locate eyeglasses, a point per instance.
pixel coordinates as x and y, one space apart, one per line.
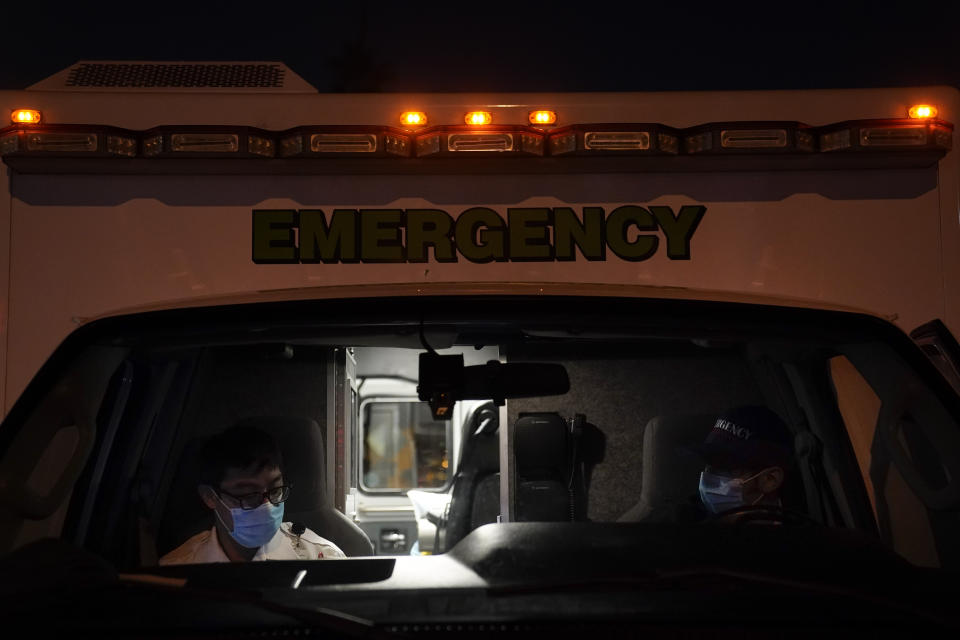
249 501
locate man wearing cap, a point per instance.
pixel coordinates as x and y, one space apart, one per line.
748 454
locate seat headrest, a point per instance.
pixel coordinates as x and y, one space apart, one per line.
668 466
541 442
479 446
485 420
301 445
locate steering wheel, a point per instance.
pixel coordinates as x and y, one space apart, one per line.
759 513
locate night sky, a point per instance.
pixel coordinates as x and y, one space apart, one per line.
498 46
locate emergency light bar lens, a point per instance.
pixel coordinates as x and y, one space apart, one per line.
942 137
668 143
152 146
205 142
260 146
9 143
836 140
62 142
122 146
428 145
413 119
480 142
343 143
893 136
291 146
543 117
616 140
25 116
563 144
923 111
699 142
531 144
478 118
753 138
397 145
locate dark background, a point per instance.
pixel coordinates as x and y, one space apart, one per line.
498 46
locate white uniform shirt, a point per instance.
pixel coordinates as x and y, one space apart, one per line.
285 545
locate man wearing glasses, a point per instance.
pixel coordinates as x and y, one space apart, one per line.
242 482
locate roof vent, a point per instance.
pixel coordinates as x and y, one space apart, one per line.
105 74
177 76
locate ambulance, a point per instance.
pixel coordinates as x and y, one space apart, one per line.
495 339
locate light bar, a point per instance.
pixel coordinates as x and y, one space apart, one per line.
886 137
25 116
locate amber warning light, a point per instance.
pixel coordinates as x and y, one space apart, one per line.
923 111
25 116
413 118
543 117
478 117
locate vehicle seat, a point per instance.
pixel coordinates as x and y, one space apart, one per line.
670 477
301 444
475 497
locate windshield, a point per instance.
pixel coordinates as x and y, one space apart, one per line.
306 431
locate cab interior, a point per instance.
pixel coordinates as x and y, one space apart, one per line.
102 449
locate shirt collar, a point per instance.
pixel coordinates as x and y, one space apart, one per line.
212 551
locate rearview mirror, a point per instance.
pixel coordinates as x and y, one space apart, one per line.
443 380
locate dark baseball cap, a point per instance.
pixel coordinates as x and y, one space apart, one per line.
749 437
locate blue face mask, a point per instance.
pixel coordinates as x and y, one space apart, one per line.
256 527
721 493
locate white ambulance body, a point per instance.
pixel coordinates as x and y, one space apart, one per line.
142 183
874 228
